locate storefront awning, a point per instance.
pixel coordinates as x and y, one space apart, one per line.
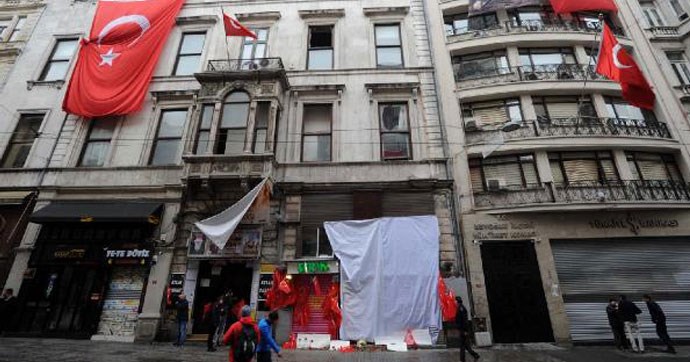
141 212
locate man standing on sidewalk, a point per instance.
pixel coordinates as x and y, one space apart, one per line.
182 308
629 312
267 343
616 324
462 321
659 318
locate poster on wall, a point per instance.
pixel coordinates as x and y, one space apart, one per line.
486 6
265 284
244 243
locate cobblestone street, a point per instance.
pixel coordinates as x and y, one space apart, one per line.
58 350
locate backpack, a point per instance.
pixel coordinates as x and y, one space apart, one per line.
246 345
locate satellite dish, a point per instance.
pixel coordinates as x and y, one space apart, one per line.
511 126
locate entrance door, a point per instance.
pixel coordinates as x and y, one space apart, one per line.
218 278
516 296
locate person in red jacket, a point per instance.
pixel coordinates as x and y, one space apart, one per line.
243 337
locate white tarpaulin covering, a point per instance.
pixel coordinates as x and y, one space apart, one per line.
389 271
218 228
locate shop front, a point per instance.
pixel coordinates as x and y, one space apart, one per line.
15 207
86 276
312 280
548 277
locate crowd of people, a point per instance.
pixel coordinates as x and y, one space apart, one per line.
622 315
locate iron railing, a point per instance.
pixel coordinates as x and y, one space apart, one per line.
240 65
563 72
664 31
546 25
586 192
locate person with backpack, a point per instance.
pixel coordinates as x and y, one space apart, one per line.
267 343
243 337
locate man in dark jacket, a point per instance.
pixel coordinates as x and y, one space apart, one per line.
628 313
462 321
182 308
214 316
616 324
659 318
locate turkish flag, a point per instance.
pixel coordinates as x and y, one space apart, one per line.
234 28
616 64
115 64
571 6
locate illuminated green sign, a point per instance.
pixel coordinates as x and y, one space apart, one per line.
310 267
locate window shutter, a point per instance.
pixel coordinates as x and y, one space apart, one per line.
581 170
562 109
476 178
319 208
653 170
408 204
531 175
556 172
609 169
492 115
367 205
510 173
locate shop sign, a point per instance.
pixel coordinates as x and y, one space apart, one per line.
313 267
71 253
127 256
175 287
502 230
244 243
633 223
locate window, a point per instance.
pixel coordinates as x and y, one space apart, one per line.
653 167
539 59
395 131
263 109
481 64
17 30
678 9
573 168
562 109
166 148
58 64
97 145
189 54
514 171
204 135
320 55
493 113
255 48
233 124
316 132
22 140
531 18
621 111
315 209
388 46
652 15
680 66
462 23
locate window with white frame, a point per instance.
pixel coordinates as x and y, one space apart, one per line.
17 29
255 48
97 144
679 9
395 131
320 47
58 64
653 166
189 54
263 109
166 147
316 132
232 131
204 134
652 15
679 62
23 138
388 46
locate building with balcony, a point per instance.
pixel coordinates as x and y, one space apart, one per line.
334 102
568 195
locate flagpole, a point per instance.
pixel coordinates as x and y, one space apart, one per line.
588 71
227 44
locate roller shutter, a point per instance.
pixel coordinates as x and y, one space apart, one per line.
592 271
317 209
408 204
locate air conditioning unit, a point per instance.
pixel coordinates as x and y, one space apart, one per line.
496 184
471 125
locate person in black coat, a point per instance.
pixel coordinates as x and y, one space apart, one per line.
659 319
616 324
218 311
182 309
628 313
462 322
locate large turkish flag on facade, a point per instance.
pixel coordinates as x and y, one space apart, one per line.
116 63
571 6
616 64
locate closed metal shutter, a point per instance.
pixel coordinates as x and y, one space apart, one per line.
408 204
316 322
315 210
592 271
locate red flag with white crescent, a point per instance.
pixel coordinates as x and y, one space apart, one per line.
116 62
616 64
235 28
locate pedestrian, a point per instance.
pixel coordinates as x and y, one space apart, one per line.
462 322
267 343
243 337
214 319
628 313
659 319
616 324
182 308
8 309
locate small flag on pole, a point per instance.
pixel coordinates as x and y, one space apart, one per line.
234 28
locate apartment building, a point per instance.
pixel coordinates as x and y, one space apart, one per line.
334 102
569 195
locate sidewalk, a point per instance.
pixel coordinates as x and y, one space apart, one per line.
60 350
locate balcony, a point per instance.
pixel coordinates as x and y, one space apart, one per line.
664 32
257 69
529 26
585 192
557 72
227 166
576 127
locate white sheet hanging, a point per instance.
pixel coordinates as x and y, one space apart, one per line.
389 271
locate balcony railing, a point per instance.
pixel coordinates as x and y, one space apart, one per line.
238 65
562 72
665 191
577 127
548 25
664 31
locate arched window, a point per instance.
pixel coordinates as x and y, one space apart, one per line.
233 124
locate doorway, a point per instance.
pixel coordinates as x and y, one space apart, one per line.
216 278
517 303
